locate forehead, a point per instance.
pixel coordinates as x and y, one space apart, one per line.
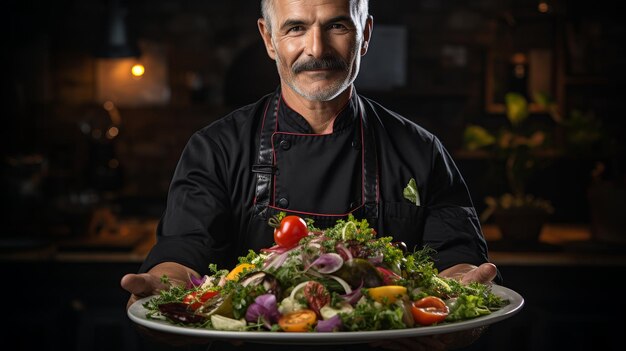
310 9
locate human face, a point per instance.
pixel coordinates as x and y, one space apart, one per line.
317 46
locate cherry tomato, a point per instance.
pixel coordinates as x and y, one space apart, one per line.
290 231
297 321
194 301
429 310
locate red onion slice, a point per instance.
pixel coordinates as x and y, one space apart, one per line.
327 263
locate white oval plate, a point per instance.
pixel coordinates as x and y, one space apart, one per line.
137 314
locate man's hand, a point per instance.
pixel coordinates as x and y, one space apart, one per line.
465 273
147 284
141 285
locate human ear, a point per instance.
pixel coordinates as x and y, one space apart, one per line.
367 34
266 34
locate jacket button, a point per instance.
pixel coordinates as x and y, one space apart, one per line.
285 144
356 145
283 202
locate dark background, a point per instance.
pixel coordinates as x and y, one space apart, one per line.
54 175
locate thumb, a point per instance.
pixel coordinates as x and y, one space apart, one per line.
143 284
485 273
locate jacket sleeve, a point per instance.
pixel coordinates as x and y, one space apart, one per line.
451 225
190 231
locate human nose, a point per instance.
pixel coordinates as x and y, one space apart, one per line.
316 43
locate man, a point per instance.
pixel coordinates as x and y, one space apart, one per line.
317 149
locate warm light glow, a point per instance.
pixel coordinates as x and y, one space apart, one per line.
138 70
108 105
114 113
543 7
112 132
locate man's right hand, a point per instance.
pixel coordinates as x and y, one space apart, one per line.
147 284
141 285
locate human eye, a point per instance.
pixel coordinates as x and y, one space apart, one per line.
295 29
338 27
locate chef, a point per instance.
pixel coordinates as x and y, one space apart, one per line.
315 148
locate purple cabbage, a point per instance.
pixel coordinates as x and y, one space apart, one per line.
329 325
265 309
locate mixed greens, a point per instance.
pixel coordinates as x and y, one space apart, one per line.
343 278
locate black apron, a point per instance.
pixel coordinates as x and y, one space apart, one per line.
267 205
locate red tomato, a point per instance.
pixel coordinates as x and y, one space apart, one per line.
429 310
290 231
194 301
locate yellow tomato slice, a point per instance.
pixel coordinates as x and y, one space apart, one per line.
297 321
387 293
234 274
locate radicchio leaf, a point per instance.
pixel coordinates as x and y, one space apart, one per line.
329 325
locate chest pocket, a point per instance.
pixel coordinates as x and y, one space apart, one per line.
404 222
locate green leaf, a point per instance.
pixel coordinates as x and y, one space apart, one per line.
516 108
411 193
476 137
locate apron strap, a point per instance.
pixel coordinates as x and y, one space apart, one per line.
370 166
264 168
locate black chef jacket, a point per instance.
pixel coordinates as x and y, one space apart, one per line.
264 158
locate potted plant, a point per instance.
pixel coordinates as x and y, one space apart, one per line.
588 139
519 215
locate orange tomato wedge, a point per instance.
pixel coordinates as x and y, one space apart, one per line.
387 293
298 321
429 310
234 274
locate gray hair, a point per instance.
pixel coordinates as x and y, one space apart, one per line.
358 7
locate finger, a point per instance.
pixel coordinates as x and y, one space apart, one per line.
141 284
485 273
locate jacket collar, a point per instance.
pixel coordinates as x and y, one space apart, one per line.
293 122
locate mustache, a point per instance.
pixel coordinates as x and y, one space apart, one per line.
330 62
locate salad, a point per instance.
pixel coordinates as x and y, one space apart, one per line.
343 278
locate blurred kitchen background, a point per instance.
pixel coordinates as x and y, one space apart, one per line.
100 97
